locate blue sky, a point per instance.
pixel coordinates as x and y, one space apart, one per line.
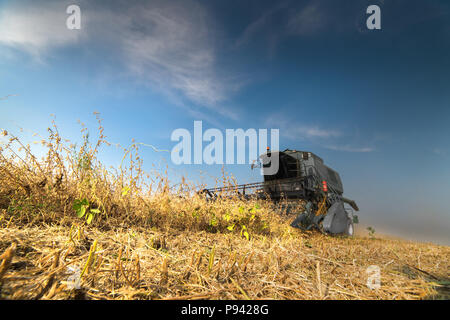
374 104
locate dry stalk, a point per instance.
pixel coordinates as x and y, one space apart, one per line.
50 278
240 289
7 258
119 257
164 273
319 283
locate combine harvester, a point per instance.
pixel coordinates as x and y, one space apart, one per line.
302 177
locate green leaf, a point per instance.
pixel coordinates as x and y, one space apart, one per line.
76 205
80 207
125 191
81 211
244 231
241 209
246 235
89 218
213 222
95 211
231 228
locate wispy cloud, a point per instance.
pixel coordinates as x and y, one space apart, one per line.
8 96
348 148
318 132
283 20
325 137
307 20
35 28
261 24
439 151
294 130
168 45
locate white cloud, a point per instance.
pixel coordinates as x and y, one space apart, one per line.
35 29
294 130
303 21
318 132
171 43
348 148
8 96
167 45
259 25
439 151
329 138
307 20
